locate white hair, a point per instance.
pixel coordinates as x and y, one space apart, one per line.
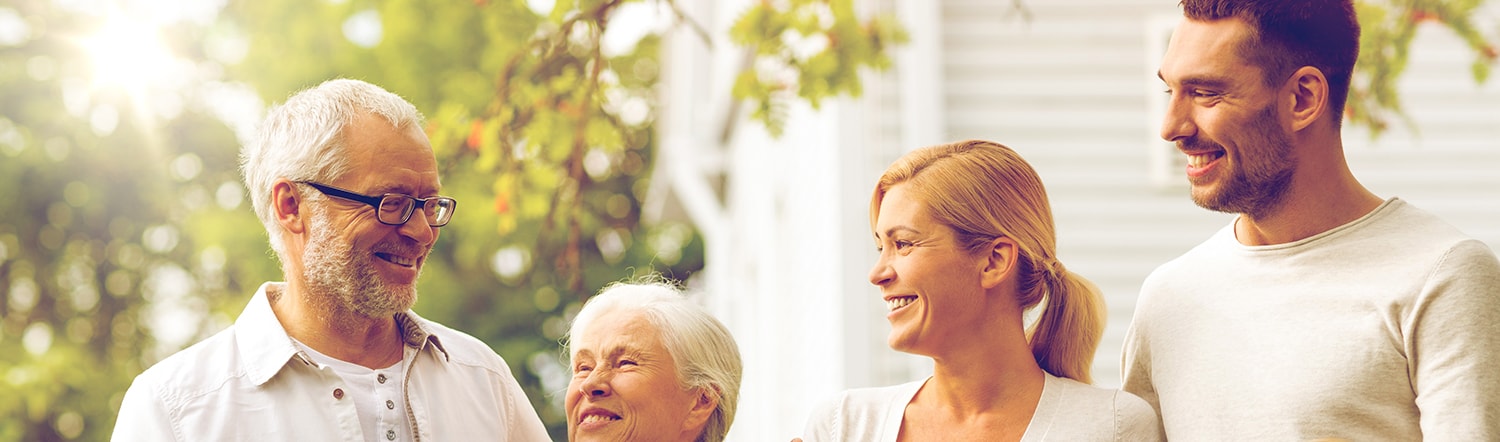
303 139
705 353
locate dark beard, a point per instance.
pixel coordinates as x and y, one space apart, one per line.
1253 190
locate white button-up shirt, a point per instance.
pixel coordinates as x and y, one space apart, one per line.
250 383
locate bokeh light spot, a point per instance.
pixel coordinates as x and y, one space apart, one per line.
546 299
160 238
104 119
23 294
127 54
70 425
186 167
41 68
37 338
12 143
119 283
229 195
612 245
596 164
509 262
57 149
363 28
13 28
77 194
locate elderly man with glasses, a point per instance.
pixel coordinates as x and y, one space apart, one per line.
346 184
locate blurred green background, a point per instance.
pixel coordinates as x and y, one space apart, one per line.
125 231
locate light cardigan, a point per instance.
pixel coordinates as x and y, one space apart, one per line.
1067 411
250 383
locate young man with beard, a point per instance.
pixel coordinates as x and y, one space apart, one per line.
347 186
1322 310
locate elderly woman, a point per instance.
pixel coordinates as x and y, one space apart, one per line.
649 365
967 247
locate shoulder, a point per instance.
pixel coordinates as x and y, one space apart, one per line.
197 370
1472 254
1131 417
1077 398
902 392
1401 224
1448 256
1212 248
1135 419
860 413
871 400
461 347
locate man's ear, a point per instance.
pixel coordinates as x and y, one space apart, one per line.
286 206
999 262
1309 97
703 407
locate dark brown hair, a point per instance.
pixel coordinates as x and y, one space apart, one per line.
1290 34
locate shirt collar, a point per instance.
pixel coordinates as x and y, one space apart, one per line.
266 347
415 334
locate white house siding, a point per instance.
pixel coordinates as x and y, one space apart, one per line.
786 219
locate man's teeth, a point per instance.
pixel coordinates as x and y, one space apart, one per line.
895 303
1201 160
399 260
592 418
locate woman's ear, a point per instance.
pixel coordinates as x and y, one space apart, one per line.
703 408
999 262
286 206
1309 97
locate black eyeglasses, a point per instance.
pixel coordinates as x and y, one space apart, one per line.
395 209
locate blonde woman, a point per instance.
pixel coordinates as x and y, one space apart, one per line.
967 247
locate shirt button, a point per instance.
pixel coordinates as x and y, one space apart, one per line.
390 405
380 378
390 434
338 393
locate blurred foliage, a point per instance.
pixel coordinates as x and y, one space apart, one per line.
126 234
120 229
1387 28
808 49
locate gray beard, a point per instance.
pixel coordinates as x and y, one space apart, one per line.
339 280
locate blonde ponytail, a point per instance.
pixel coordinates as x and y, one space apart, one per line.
1067 333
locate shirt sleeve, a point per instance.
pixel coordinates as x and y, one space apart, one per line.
143 415
525 425
1453 346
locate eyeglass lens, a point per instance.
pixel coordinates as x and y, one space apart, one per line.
397 209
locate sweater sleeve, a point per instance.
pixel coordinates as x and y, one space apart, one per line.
1135 420
1453 346
1135 366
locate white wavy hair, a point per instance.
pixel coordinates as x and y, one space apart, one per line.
706 354
303 139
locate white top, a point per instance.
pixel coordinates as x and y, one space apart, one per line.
377 394
1386 328
249 382
1067 411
